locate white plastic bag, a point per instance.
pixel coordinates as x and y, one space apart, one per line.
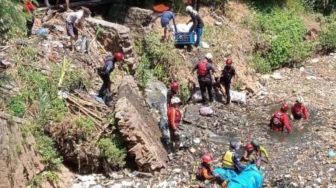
239 97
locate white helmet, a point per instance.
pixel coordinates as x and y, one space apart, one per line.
175 100
189 8
299 99
208 56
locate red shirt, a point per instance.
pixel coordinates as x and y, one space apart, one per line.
174 117
300 109
284 121
29 6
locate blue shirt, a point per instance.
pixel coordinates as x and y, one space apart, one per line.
166 17
108 66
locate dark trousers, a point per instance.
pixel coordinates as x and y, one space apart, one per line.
29 25
105 88
227 92
205 85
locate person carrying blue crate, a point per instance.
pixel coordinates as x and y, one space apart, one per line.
197 26
166 16
204 70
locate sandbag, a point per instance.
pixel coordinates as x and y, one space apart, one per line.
197 96
239 97
184 28
206 111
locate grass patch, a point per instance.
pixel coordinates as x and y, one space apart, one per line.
17 106
156 60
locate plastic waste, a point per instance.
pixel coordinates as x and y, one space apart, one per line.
42 32
197 96
206 111
82 45
331 154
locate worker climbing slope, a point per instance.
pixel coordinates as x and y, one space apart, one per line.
29 8
104 73
280 120
74 23
166 17
197 26
204 70
174 121
172 92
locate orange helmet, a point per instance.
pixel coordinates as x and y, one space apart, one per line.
119 56
284 107
249 147
206 158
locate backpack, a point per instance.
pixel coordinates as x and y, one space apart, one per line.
202 68
277 119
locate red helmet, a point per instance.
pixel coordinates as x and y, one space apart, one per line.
206 158
119 56
174 86
229 61
249 147
284 107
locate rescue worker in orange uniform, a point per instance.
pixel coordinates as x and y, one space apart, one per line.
204 171
280 121
174 121
299 110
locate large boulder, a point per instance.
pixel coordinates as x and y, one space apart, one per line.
115 37
139 20
139 128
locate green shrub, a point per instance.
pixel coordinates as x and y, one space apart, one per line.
184 92
17 106
86 125
260 64
328 34
284 33
12 19
46 147
111 152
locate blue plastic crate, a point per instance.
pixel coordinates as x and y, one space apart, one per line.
184 38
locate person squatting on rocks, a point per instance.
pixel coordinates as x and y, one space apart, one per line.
231 160
255 153
29 8
228 73
205 171
166 16
204 70
299 110
105 71
174 121
74 23
197 26
172 92
280 121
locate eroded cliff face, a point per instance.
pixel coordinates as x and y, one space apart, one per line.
18 160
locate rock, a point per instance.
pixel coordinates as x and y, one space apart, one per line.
156 96
116 37
205 45
218 23
86 178
139 128
277 76
192 150
177 170
191 114
197 140
302 69
139 20
239 97
311 77
331 154
315 60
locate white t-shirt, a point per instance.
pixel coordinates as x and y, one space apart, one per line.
75 17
